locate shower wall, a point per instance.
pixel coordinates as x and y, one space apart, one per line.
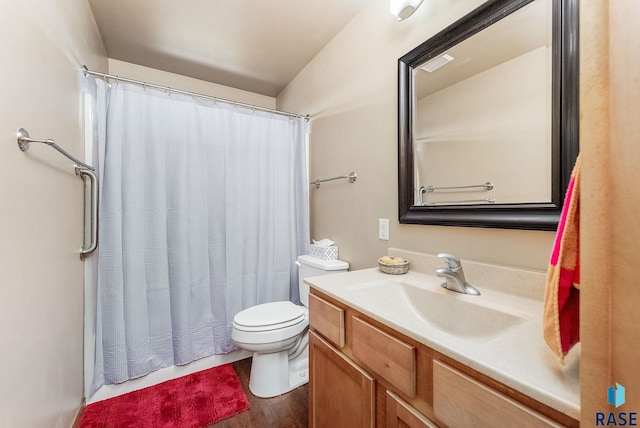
44 45
146 74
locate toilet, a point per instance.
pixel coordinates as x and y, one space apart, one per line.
276 333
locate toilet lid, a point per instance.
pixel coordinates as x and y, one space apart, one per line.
269 316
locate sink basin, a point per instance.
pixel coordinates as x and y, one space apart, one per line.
454 313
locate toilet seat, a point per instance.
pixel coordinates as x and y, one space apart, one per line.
269 316
277 334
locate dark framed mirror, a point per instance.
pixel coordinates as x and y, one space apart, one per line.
488 118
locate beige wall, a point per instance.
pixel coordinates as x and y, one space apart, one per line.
350 91
610 202
177 81
43 47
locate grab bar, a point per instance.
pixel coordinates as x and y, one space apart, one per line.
84 172
24 139
351 176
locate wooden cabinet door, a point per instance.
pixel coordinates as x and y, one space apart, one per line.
341 394
401 415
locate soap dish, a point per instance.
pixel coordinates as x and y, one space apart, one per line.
394 269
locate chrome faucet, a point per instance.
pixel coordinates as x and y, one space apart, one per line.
454 276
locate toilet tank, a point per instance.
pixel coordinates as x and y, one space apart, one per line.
311 266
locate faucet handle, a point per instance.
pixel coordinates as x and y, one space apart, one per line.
452 261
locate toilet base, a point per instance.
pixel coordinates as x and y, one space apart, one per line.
274 374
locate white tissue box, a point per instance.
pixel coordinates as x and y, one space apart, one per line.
324 253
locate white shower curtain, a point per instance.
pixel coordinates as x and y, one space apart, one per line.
203 211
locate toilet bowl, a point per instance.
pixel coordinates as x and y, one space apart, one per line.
276 333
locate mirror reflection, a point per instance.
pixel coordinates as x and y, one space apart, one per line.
483 115
496 135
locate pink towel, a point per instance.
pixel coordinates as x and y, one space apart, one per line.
561 320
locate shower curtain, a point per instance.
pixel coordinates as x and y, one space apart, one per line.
203 211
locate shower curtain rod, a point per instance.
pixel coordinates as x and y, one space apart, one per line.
194 94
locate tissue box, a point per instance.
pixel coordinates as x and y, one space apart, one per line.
324 253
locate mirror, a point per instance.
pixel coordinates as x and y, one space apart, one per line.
488 118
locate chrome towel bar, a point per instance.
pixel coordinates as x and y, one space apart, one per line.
351 176
82 170
431 189
464 201
486 186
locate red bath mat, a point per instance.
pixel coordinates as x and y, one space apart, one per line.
192 401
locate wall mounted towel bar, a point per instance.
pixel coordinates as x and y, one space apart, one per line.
486 186
465 201
431 189
82 170
351 176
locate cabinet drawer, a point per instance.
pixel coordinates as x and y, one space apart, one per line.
460 401
390 358
327 319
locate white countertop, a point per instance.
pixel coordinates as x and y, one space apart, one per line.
516 356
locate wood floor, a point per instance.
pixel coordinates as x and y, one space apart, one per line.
285 411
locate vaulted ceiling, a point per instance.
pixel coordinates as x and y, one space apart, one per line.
255 45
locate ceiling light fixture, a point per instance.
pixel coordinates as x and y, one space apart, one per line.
404 8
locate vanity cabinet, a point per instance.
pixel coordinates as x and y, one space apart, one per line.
363 373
